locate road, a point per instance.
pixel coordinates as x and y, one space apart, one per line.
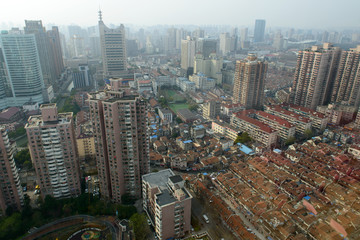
215 227
243 218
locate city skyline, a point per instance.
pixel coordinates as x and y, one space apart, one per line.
160 12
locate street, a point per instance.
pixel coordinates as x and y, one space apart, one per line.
215 227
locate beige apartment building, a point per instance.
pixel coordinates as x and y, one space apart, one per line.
167 203
249 82
53 152
11 194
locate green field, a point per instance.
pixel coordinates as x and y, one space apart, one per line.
172 95
178 106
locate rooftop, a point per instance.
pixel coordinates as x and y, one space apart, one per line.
159 179
277 119
243 115
298 117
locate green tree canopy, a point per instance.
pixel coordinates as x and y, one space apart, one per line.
242 138
139 224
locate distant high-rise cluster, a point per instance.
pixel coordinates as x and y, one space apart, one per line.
249 82
113 49
325 75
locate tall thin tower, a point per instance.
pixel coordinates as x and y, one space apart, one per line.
113 49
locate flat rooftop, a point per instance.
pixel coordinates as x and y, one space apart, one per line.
158 179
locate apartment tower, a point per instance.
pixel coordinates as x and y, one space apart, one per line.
347 82
314 76
120 123
113 49
249 82
11 194
53 152
187 53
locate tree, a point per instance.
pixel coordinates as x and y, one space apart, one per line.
139 224
193 107
127 199
290 141
308 134
178 120
242 138
125 211
23 158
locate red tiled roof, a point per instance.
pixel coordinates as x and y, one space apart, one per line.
243 115
277 119
307 110
290 114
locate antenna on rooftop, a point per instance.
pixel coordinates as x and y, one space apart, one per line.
100 14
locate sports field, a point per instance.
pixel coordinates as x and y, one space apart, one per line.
177 106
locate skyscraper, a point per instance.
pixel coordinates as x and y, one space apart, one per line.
120 123
11 194
21 79
259 32
314 76
187 53
347 82
55 49
249 82
53 152
113 49
44 50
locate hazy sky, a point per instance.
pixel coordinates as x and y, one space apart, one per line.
322 14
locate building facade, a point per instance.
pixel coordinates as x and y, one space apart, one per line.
11 194
314 76
21 78
187 53
346 88
113 49
52 146
259 32
167 203
249 82
121 141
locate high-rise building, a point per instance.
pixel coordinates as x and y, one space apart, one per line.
259 32
206 46
53 152
249 82
81 78
167 203
113 49
211 66
56 52
21 79
11 194
227 43
43 48
211 109
347 82
187 53
120 124
314 76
